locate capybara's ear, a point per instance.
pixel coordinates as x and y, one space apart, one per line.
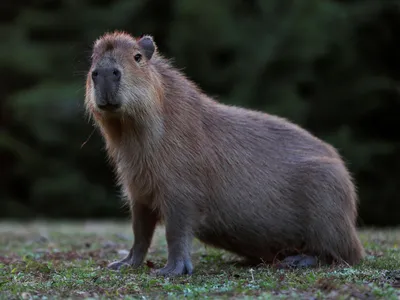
147 44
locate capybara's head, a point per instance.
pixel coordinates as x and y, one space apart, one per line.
121 79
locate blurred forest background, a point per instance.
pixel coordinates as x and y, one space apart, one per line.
330 66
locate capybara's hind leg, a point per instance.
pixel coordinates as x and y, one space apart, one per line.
331 230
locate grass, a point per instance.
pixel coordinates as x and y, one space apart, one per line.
67 260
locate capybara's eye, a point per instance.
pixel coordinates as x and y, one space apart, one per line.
138 57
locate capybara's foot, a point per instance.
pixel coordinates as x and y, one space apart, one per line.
117 265
127 262
176 269
298 261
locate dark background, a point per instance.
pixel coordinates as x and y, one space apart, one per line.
331 66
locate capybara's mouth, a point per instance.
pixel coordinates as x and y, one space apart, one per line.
109 106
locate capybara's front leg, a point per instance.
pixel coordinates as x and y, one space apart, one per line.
144 223
179 239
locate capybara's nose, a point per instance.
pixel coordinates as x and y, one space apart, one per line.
106 74
106 82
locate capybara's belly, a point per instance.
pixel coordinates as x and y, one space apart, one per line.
248 244
254 238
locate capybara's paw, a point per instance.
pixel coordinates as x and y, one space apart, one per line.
299 261
117 265
127 262
176 269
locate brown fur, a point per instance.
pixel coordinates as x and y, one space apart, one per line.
245 181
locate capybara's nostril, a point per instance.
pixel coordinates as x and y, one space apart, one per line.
95 73
117 74
112 74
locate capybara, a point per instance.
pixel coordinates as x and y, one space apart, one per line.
251 183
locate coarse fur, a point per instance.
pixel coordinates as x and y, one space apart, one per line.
245 181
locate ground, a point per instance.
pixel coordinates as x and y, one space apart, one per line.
57 260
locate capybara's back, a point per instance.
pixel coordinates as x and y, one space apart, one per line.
245 181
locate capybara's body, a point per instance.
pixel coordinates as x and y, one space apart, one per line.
245 181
